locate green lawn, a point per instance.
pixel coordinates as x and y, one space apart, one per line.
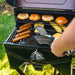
7 23
2 1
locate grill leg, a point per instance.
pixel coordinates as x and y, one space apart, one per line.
72 71
19 71
55 72
58 74
25 68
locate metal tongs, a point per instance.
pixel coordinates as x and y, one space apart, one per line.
43 32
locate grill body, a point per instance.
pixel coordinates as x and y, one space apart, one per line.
19 53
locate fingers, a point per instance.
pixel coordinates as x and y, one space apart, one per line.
57 53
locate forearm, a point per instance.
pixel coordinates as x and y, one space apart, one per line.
67 40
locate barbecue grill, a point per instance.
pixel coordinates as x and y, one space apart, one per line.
23 50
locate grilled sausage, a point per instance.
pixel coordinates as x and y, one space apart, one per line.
20 38
27 24
23 33
23 29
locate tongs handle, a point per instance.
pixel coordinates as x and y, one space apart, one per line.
49 36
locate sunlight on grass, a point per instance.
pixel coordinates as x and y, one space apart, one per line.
47 70
5 67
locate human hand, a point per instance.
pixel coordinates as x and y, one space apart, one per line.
58 53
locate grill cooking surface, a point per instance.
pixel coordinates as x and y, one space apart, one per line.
28 41
50 30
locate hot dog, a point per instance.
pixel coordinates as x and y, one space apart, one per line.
23 33
23 29
20 38
27 24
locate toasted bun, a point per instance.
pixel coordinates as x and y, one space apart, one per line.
61 20
23 16
47 18
34 17
39 24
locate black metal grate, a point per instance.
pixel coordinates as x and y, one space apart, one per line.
28 41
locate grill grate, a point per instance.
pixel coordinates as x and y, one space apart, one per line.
28 41
31 41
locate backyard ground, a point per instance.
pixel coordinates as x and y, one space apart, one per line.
7 23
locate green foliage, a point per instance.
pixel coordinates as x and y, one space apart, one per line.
5 68
7 23
47 70
2 1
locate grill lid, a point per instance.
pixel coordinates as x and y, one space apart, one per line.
54 4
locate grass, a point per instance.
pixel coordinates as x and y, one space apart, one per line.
7 23
2 1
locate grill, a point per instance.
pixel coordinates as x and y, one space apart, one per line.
22 50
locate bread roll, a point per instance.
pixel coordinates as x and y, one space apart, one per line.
61 20
47 18
34 17
23 16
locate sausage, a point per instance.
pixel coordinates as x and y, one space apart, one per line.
27 24
23 29
23 33
20 38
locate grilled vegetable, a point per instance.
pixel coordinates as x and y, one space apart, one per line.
63 27
56 27
56 35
